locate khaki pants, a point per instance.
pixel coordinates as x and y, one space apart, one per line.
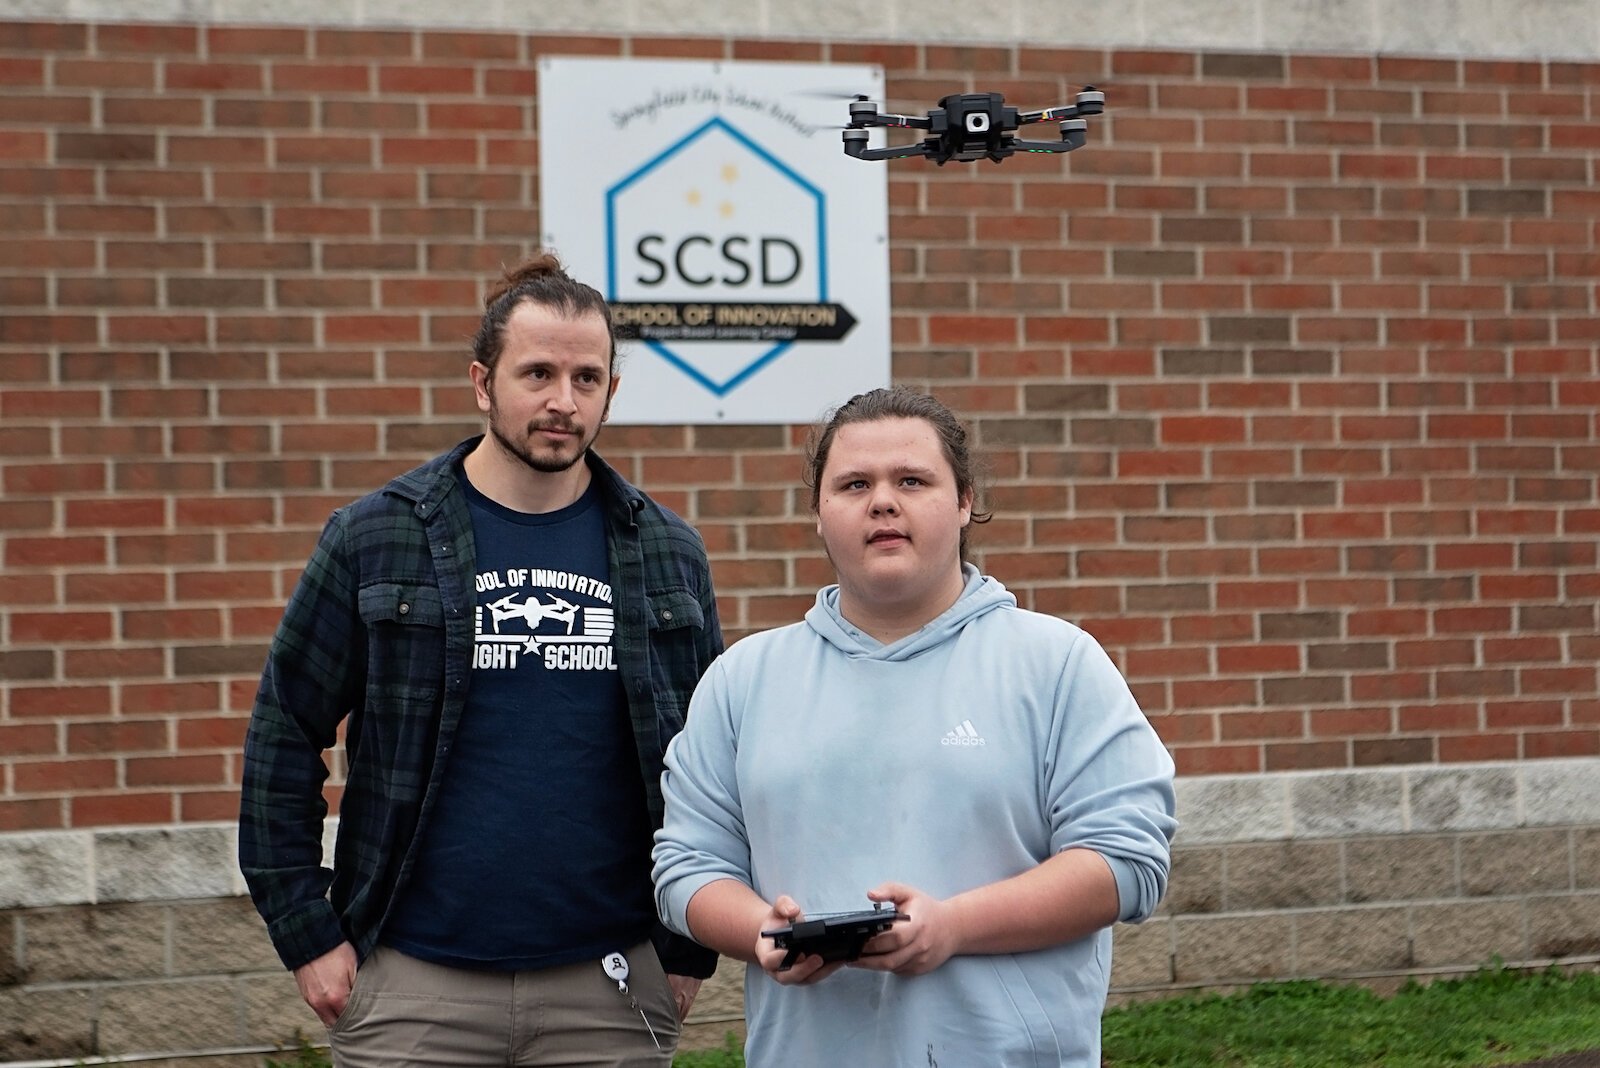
405 1011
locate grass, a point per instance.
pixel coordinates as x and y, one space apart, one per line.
731 1055
1493 1017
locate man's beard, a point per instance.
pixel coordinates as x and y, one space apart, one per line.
551 464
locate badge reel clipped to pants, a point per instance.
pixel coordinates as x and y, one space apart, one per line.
616 966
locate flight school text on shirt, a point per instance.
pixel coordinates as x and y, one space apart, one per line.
561 619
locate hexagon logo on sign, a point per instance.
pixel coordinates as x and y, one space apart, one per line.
744 256
718 256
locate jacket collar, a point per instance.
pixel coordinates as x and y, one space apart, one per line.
428 486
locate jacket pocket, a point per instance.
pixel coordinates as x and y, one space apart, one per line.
405 642
401 603
676 622
674 608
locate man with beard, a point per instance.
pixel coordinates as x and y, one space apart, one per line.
510 635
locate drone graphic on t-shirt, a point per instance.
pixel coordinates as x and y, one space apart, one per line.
532 611
528 612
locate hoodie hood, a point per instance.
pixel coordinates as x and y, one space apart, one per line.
979 596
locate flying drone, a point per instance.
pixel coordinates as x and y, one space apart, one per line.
971 126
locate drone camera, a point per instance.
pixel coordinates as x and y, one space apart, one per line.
977 122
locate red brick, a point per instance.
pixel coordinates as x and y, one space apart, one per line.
209 806
213 77
168 697
1480 747
1218 760
117 588
394 328
196 770
1572 743
104 74
184 549
396 79
101 810
56 776
256 41
455 117
288 77
60 701
223 585
160 111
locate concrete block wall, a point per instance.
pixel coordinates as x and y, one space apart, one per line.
135 941
1414 871
119 942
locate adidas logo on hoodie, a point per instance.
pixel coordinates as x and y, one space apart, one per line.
966 735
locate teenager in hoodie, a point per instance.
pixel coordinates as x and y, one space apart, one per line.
918 740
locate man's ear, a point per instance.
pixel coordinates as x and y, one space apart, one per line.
616 380
965 507
482 385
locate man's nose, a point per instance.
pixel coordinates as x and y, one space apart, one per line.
884 503
561 397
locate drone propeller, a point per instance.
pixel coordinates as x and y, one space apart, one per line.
830 94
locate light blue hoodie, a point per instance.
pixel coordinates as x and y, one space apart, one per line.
818 762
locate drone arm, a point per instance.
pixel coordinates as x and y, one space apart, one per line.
891 152
884 119
1066 144
1090 102
1025 118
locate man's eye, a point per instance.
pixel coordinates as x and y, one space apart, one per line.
912 480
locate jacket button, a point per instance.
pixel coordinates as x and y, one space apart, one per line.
404 608
666 614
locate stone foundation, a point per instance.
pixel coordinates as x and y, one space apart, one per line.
140 941
1394 872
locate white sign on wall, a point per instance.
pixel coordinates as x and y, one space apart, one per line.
714 207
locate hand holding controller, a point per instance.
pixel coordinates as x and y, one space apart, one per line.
834 936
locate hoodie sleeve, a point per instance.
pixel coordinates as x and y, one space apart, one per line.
1108 779
702 838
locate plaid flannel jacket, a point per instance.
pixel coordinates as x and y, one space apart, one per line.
379 630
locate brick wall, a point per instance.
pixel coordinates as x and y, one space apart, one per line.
1289 380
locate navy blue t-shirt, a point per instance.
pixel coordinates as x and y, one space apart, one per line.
538 850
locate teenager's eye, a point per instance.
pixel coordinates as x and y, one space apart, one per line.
911 480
